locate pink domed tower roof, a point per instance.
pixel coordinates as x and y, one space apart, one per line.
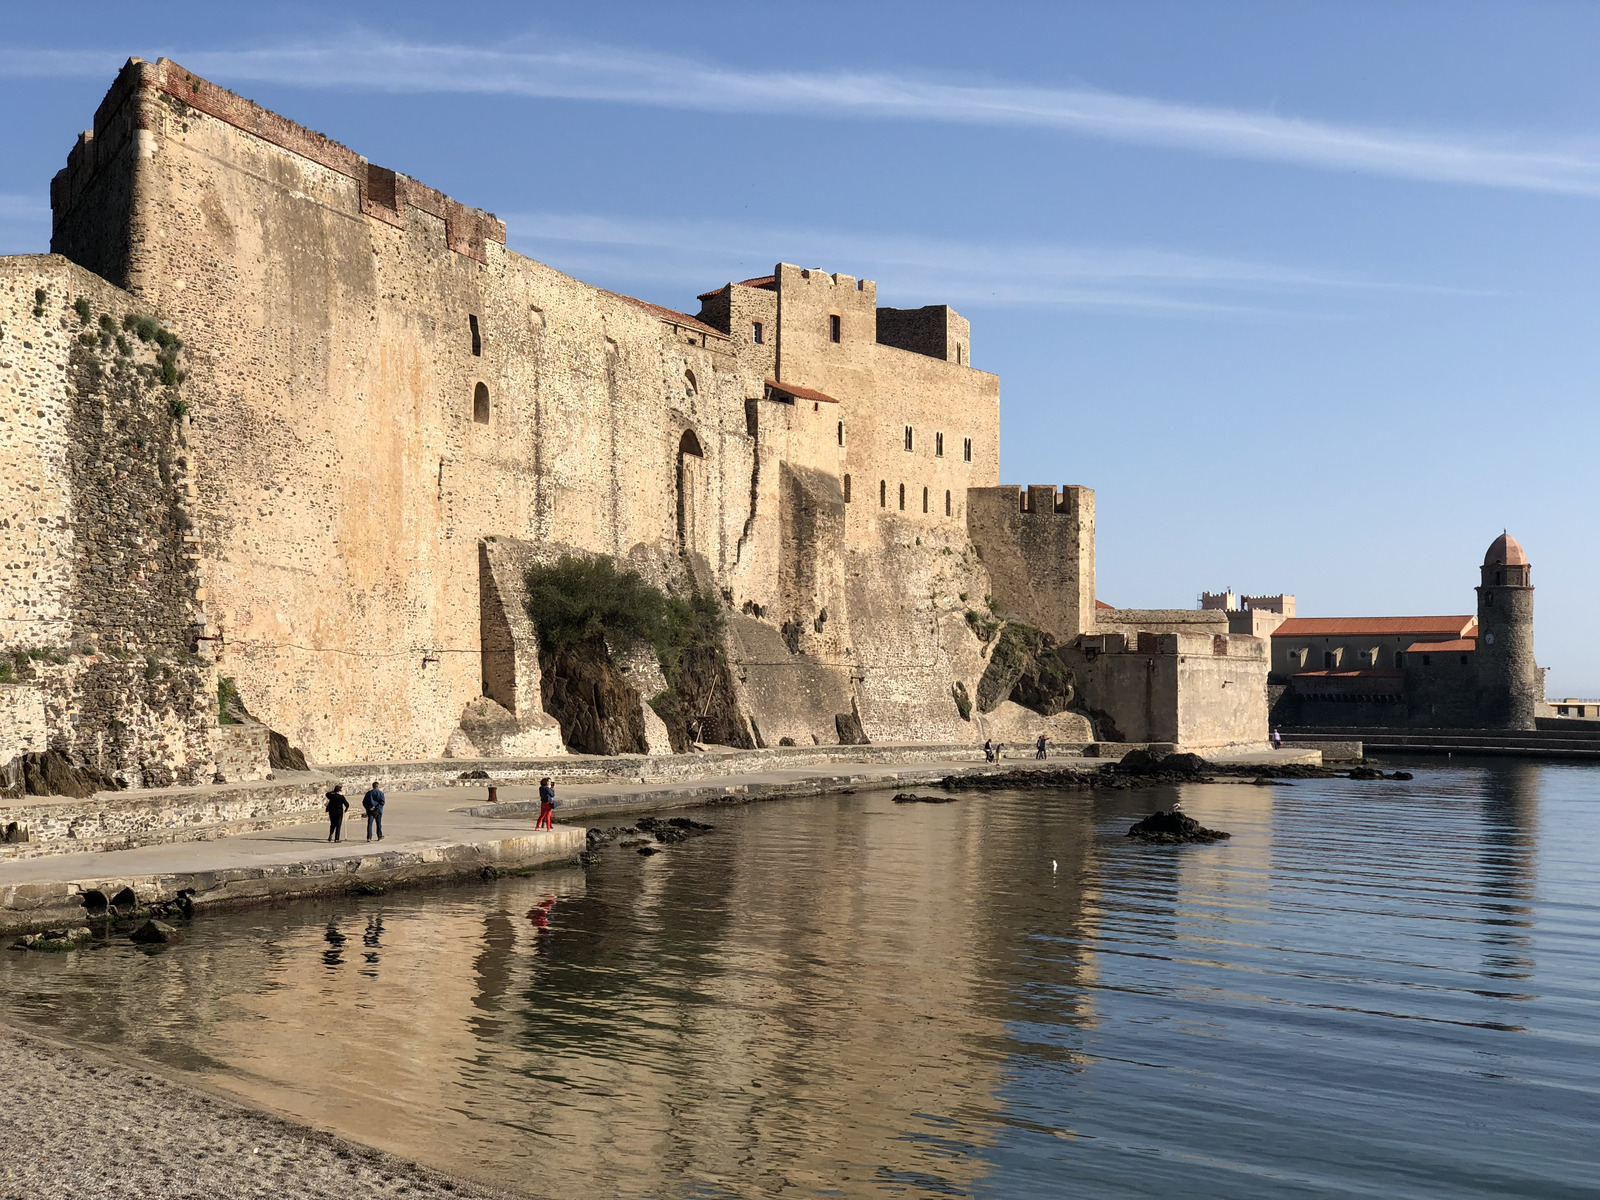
1505 551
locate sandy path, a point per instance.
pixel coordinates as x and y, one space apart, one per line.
77 1124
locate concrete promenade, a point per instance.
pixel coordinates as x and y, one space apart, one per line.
441 832
1548 741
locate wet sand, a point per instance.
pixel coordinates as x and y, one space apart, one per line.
79 1124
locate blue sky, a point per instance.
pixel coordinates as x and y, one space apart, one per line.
1306 291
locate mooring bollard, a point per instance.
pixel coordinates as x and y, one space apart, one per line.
494 794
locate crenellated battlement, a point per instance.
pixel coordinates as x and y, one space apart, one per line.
1038 544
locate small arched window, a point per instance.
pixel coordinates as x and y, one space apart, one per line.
480 404
841 433
1399 658
947 504
847 489
902 497
690 385
883 493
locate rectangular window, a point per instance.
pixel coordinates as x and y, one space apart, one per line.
833 328
924 499
757 334
966 449
841 433
477 342
938 445
909 442
947 504
847 489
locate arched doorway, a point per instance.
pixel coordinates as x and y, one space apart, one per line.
692 493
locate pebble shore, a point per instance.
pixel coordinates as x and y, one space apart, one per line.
78 1124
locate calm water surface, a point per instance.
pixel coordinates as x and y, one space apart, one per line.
1375 989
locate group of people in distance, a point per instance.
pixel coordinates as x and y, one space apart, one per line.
372 804
337 805
994 751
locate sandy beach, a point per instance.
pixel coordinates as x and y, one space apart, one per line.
77 1123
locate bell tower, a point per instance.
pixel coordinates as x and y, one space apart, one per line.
1509 683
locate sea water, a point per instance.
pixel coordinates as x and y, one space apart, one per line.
1374 989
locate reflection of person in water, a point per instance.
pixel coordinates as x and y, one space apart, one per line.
539 914
372 939
334 954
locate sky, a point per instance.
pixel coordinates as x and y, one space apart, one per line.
1306 291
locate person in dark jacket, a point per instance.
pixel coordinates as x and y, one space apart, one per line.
336 807
547 803
372 805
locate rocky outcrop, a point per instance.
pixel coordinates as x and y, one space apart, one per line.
597 708
1027 671
52 773
1173 828
155 933
281 756
849 727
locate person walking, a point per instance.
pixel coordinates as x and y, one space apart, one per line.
1277 740
988 750
1039 747
336 807
547 804
372 802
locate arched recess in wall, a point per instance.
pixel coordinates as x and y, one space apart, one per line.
480 404
693 493
691 386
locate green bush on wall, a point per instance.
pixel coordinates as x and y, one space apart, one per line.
578 600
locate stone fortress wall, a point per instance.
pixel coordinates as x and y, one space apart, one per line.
384 414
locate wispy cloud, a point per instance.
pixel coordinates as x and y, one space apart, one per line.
24 208
603 73
687 256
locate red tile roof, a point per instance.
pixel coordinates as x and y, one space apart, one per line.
1453 627
770 282
1458 644
672 315
1103 604
798 392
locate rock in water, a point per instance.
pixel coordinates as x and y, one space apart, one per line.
155 933
913 798
1173 828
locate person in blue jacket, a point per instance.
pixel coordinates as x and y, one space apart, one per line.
372 802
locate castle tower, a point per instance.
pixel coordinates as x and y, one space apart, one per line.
1509 684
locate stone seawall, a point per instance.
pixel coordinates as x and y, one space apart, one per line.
35 905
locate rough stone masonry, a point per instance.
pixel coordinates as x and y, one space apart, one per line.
280 420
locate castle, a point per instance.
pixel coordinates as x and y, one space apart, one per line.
291 425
